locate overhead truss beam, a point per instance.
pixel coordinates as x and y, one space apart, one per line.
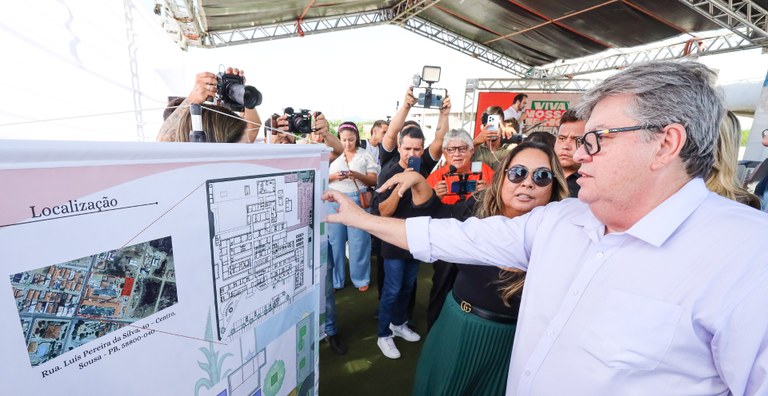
530 84
747 21
466 46
744 17
694 47
182 22
407 9
295 28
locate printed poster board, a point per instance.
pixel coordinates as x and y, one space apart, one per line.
543 108
160 268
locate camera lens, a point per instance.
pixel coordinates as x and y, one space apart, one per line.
245 95
303 125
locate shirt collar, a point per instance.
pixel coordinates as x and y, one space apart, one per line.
592 226
660 223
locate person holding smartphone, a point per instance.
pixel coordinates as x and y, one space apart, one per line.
389 152
400 268
423 162
352 174
446 180
490 144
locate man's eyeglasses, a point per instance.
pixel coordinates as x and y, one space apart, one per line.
591 140
542 177
765 133
461 149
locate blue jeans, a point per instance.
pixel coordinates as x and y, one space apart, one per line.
359 250
330 299
399 278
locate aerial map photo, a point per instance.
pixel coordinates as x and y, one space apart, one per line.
66 305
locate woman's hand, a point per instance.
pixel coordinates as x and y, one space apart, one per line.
338 176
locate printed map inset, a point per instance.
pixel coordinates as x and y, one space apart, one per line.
66 305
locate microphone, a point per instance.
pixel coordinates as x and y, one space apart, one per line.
197 134
416 80
452 170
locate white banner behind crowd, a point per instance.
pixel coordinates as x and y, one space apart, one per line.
160 268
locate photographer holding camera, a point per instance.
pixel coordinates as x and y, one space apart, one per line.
222 87
455 180
302 128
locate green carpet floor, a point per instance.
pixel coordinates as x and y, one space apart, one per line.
364 370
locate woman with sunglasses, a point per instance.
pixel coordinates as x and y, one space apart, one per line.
467 350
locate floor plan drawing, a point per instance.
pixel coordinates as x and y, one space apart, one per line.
261 232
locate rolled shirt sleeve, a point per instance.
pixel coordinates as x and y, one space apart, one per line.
417 234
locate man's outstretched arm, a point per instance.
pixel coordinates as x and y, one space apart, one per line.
387 229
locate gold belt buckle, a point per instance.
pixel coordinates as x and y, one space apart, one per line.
466 307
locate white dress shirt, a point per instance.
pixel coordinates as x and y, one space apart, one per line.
676 305
511 113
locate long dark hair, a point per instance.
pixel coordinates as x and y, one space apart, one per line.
490 204
350 126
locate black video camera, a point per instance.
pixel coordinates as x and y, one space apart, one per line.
232 91
516 139
299 123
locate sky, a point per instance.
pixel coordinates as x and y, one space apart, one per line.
82 59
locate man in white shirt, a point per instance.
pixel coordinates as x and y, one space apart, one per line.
378 129
517 110
649 283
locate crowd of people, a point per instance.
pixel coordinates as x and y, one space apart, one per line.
619 255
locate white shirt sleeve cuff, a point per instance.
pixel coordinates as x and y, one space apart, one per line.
417 234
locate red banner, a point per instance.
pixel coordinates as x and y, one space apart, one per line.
543 108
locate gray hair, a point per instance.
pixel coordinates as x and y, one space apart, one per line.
458 134
666 93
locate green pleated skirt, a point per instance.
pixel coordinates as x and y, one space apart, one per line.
464 355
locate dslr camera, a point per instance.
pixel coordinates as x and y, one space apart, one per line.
299 122
233 93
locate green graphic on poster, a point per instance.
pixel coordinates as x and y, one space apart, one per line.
275 377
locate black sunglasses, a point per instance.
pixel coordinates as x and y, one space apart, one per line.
542 177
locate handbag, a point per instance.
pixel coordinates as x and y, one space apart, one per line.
366 197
